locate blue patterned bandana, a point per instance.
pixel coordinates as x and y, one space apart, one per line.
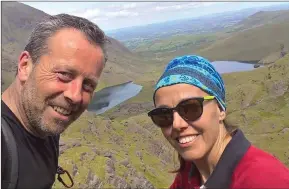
197 71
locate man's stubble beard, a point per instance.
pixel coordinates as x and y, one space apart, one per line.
34 107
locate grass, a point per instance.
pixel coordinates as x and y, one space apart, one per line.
266 114
132 140
249 45
175 42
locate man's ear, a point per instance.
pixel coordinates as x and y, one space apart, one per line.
25 66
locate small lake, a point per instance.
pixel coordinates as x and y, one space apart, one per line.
232 66
112 96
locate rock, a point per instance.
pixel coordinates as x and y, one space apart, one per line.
94 130
125 162
141 183
74 170
285 130
62 149
109 169
82 155
155 148
278 88
96 151
116 139
61 143
76 144
109 154
143 167
92 157
95 183
119 182
139 154
131 172
83 186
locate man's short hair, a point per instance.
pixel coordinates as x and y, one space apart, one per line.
37 43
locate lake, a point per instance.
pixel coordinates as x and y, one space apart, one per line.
111 96
232 66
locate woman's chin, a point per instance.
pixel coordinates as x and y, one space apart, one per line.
192 156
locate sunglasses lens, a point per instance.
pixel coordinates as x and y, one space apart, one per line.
162 117
191 110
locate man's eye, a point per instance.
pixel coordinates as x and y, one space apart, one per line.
88 87
64 76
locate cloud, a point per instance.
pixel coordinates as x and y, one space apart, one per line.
88 13
122 13
129 6
177 6
99 19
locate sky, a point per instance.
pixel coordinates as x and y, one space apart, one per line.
114 15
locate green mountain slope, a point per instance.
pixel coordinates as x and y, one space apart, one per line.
249 45
259 104
252 39
264 17
16 30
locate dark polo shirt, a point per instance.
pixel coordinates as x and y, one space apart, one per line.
241 166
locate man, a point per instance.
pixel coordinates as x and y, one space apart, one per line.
57 74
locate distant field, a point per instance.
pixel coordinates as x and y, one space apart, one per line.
253 39
174 42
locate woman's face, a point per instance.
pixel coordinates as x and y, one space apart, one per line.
193 140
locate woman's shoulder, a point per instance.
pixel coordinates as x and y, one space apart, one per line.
260 169
256 157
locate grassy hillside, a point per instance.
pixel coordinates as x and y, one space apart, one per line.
255 38
257 103
249 45
264 17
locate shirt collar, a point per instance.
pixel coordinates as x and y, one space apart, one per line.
233 153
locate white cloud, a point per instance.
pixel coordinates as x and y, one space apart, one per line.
129 6
122 13
97 19
178 6
89 13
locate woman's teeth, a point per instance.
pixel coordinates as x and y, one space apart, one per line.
61 110
186 139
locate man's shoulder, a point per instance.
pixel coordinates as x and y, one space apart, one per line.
7 116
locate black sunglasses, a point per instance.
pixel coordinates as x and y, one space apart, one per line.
189 109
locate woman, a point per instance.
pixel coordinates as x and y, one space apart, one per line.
191 111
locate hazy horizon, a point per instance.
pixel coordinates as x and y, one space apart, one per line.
116 15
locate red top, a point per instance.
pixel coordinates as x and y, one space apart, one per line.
255 169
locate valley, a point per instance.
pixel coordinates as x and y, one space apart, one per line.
122 148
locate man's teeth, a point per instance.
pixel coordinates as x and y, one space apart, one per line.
187 139
61 110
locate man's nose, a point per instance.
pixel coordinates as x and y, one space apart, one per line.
179 123
74 92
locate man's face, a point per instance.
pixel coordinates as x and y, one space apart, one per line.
61 85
